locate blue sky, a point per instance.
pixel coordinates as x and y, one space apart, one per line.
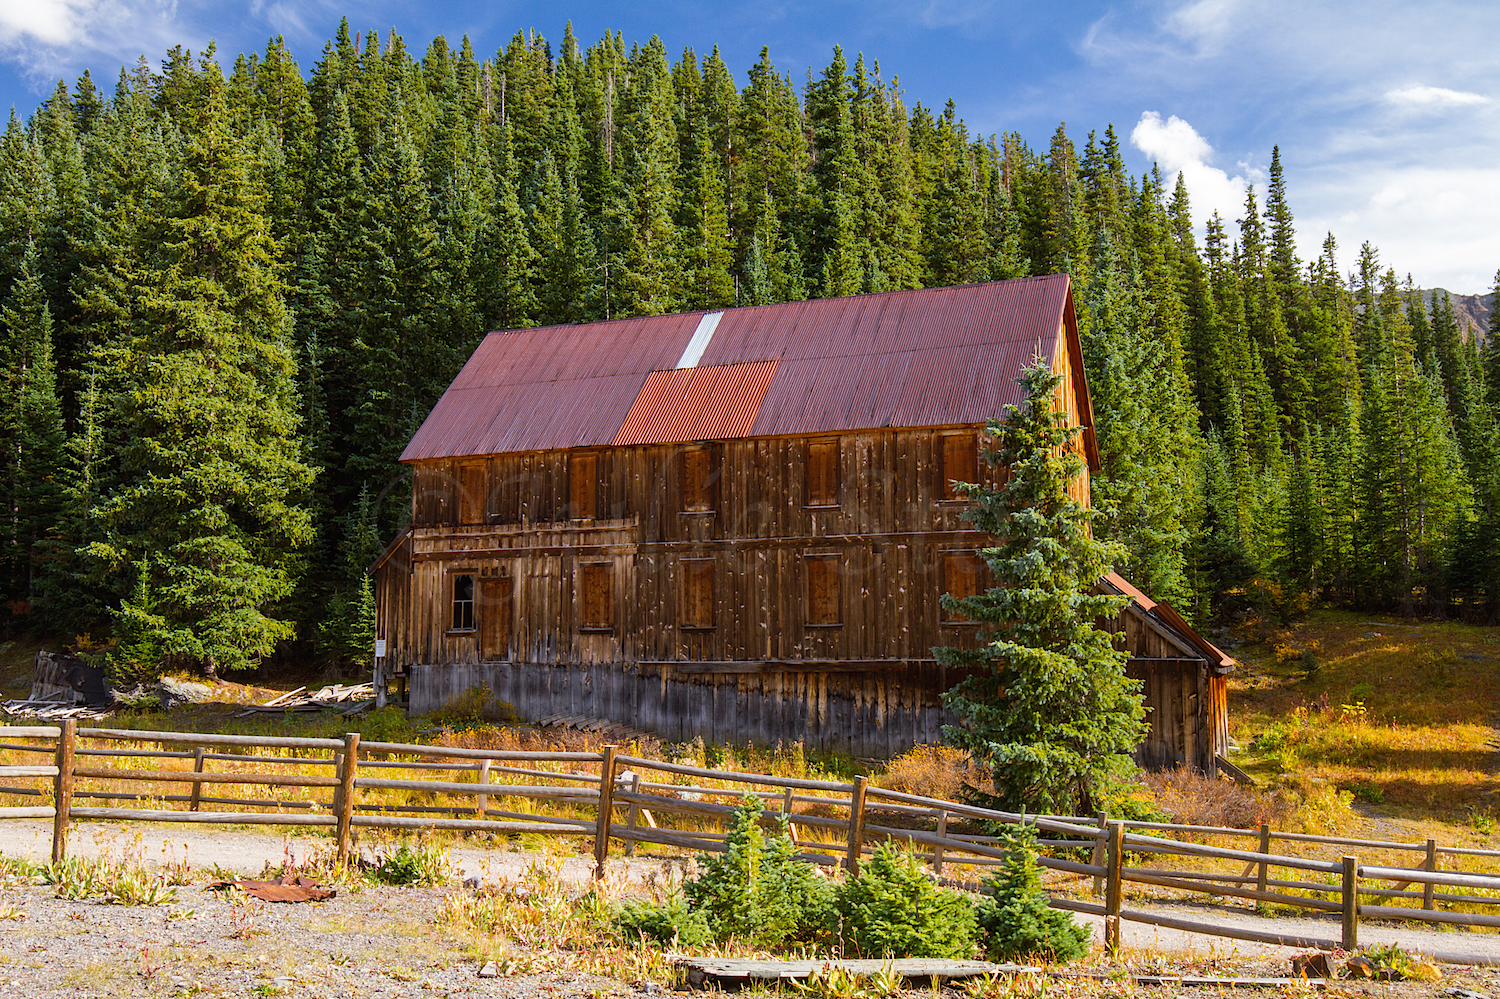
1387 114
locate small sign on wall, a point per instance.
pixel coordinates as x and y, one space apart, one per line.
379 648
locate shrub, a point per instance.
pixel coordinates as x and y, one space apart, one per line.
1016 921
423 866
671 922
934 772
891 908
756 890
475 708
1195 799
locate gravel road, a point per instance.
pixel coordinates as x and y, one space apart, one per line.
381 941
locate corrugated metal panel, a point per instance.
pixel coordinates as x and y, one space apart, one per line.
697 404
929 357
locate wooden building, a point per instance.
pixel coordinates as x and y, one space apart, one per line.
733 525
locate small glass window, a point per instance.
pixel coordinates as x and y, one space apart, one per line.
463 602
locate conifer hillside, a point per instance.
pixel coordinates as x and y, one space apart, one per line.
230 290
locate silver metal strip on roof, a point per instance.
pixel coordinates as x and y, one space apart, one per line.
699 343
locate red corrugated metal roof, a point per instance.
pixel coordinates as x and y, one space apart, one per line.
929 357
697 404
1164 614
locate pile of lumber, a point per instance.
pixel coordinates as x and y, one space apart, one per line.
603 726
52 710
356 698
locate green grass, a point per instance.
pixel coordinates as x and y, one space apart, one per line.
1397 716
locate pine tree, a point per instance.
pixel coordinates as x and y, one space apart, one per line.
31 432
201 522
1047 706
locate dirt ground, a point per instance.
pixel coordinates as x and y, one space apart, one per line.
381 941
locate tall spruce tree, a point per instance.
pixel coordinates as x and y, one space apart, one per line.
202 526
1047 705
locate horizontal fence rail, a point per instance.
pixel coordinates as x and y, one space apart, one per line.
347 784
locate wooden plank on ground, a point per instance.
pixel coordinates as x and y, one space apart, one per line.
739 971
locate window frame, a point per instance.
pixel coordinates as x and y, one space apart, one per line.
830 567
457 603
472 507
953 555
831 498
583 464
946 492
586 571
689 570
706 493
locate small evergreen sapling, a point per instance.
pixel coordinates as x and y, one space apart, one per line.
756 891
1016 922
891 908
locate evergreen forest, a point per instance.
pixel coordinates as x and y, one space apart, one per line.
229 293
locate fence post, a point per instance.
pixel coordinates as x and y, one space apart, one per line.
635 811
482 801
937 851
1265 848
348 767
1112 891
856 824
1430 866
1350 887
1099 854
606 806
198 752
62 788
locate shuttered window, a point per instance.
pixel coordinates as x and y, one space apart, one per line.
960 462
823 473
963 576
583 486
471 493
698 479
823 604
598 597
463 602
698 608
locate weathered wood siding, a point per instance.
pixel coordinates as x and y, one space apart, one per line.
1186 705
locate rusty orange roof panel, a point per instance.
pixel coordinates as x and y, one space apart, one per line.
697 404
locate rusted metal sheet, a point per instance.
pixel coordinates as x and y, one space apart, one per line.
924 358
718 402
280 890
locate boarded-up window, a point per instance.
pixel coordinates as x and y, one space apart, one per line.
583 486
823 605
471 493
960 462
698 610
463 602
823 473
495 617
698 479
963 576
597 595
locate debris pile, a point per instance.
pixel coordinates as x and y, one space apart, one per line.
360 697
603 726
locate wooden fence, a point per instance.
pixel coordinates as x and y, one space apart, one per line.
613 797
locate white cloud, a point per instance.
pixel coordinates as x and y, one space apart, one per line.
1434 96
1176 147
47 38
1205 23
1438 222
